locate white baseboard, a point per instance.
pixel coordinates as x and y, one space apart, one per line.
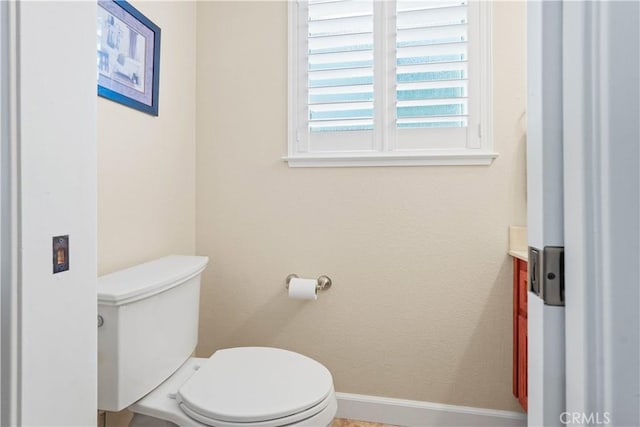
422 414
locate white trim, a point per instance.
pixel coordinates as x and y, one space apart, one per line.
486 82
583 249
602 201
10 369
415 413
462 158
293 73
381 79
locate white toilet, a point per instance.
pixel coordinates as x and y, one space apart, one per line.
148 329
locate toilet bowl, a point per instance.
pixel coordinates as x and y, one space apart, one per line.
148 333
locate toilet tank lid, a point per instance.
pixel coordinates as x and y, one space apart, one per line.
144 280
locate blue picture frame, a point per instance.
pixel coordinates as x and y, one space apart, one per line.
128 62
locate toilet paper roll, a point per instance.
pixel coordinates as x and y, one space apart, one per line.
303 289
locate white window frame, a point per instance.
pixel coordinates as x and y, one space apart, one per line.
479 146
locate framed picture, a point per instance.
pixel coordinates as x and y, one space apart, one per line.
128 56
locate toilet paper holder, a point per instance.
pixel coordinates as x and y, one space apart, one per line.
324 282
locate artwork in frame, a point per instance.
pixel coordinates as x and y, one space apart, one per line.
128 56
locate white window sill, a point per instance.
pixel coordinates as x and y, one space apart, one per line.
390 159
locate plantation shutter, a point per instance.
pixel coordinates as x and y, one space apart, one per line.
432 66
408 81
340 81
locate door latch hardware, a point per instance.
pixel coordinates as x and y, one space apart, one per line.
553 275
60 254
534 270
546 274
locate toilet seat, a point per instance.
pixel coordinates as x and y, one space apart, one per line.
249 387
262 385
284 421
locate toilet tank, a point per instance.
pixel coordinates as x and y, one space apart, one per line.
149 326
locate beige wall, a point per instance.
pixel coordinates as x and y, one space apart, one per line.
146 165
421 303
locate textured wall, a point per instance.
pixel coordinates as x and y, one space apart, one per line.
146 177
421 303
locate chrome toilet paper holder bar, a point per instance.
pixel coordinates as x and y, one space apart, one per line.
324 282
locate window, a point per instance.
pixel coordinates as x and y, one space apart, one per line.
389 82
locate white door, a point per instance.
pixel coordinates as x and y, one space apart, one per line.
546 338
602 211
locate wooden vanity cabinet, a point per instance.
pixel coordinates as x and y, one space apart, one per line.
520 280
